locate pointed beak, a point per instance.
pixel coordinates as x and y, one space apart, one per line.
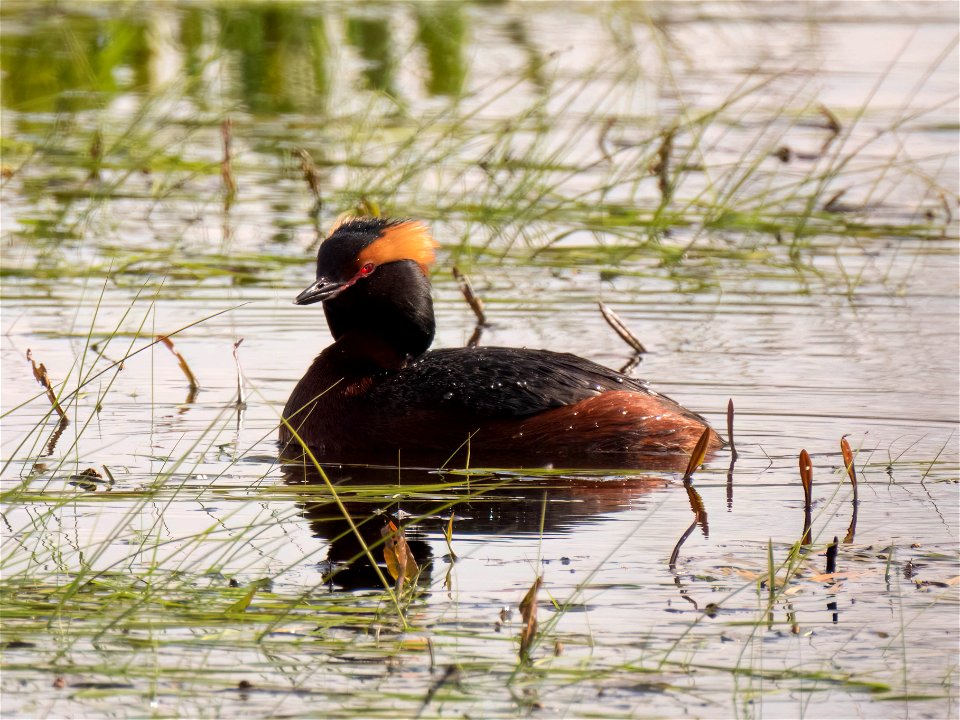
321 290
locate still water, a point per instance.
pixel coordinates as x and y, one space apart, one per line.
765 193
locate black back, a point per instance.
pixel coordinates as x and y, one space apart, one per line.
496 382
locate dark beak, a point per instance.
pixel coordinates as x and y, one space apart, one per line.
321 290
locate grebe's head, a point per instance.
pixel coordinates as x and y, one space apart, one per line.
357 247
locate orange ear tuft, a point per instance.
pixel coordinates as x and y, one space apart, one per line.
406 240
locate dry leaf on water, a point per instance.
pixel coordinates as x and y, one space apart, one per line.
528 612
620 327
400 561
448 536
848 461
470 295
806 477
852 472
184 367
698 454
730 442
41 375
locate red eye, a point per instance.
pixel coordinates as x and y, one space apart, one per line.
367 269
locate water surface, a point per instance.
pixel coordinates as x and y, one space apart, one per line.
810 275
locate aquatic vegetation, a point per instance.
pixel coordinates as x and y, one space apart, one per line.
765 205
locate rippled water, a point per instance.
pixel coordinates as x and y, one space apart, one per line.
540 182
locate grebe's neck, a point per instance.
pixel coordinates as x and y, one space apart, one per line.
384 321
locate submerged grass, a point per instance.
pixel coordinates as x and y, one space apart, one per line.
494 183
171 597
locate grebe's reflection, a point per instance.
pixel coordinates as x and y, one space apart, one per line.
419 500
